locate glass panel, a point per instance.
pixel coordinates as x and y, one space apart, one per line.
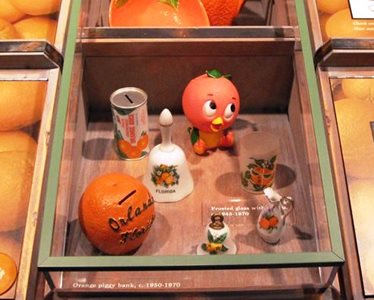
278 280
270 78
178 229
106 13
354 108
336 21
22 102
44 20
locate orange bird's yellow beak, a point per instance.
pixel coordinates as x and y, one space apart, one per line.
216 124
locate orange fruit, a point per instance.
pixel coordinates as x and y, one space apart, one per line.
273 221
331 6
341 24
7 31
21 103
37 28
362 204
143 141
17 141
256 179
10 245
37 7
116 212
165 175
368 264
134 152
353 118
8 272
159 181
240 4
262 171
169 180
264 223
16 172
221 12
124 146
362 88
199 147
8 12
322 22
156 13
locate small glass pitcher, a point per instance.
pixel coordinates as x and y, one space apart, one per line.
271 221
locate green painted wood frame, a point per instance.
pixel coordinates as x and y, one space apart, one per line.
48 263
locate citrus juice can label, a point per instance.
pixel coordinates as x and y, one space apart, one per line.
130 118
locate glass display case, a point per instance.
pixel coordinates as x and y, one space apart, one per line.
273 72
27 104
33 35
32 41
347 94
341 31
342 36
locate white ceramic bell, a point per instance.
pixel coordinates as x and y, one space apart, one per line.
168 177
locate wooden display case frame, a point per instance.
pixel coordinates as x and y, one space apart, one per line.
53 266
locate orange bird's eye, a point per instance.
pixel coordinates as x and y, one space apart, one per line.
229 111
210 108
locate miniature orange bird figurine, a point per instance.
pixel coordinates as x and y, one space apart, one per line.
211 103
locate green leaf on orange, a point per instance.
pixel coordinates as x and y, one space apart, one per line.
118 135
172 3
119 3
214 73
251 166
210 237
221 238
260 162
194 135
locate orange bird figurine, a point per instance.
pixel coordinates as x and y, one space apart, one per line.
211 103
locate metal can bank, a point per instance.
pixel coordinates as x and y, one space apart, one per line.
130 118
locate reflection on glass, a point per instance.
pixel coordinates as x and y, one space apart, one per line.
336 20
354 107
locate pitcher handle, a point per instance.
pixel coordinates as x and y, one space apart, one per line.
286 206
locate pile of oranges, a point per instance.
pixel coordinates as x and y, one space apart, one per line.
21 106
356 107
336 21
17 154
21 19
222 12
173 13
